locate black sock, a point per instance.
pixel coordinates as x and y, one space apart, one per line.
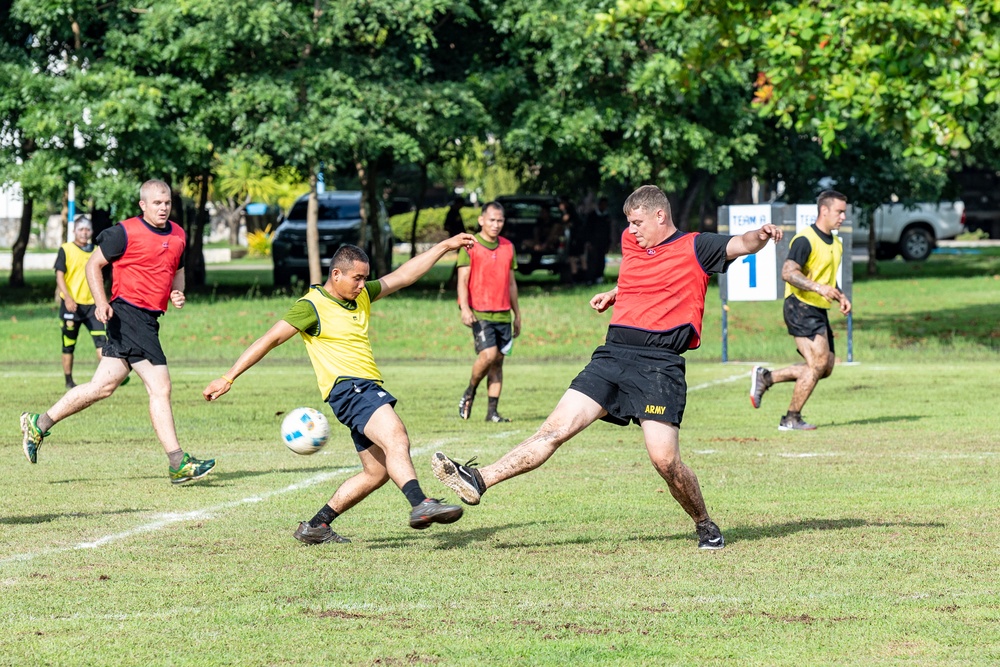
69 377
413 493
793 415
325 515
470 391
491 407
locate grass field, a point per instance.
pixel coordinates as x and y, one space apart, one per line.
869 541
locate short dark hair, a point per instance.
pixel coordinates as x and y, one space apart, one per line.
346 256
647 198
494 204
827 196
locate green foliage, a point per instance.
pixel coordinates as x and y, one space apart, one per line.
430 223
259 242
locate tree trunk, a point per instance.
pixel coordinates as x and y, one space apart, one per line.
691 192
370 223
312 232
233 222
194 263
421 195
872 258
21 244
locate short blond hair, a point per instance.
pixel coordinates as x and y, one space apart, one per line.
149 186
648 198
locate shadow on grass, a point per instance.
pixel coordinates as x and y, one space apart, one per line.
778 530
970 324
46 518
214 476
449 538
879 420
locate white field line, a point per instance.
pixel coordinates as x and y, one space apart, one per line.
706 385
165 520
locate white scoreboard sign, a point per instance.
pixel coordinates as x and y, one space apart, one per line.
753 277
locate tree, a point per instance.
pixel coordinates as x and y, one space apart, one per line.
241 177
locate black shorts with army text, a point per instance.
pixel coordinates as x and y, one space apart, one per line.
635 383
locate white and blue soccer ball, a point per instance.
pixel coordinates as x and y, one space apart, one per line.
305 430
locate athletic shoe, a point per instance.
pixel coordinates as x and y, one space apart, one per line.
465 405
461 479
432 511
70 384
190 469
307 534
32 436
495 418
760 381
709 535
794 424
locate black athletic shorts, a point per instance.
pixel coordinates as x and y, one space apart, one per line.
134 335
634 383
486 334
354 402
86 314
806 321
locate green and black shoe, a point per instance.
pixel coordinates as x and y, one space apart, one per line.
190 469
32 436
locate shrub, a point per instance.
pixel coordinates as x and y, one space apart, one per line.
259 242
430 224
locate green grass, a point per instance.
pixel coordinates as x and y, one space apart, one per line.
870 541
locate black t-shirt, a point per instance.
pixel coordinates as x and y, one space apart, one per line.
800 248
113 241
710 250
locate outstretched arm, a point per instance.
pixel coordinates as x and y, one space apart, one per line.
275 336
412 270
752 241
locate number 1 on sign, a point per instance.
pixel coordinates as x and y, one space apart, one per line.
752 261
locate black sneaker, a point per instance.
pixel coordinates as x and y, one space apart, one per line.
495 418
760 381
794 424
709 535
461 479
317 535
465 405
432 511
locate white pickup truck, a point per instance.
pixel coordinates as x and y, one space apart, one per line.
911 231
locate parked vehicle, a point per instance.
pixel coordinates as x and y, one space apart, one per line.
912 231
534 225
339 223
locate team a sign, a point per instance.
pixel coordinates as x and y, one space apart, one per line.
753 277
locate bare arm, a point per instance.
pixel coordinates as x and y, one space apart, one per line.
95 279
412 270
604 300
752 241
275 336
514 305
177 290
468 317
64 291
791 273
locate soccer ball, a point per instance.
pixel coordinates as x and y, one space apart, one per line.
305 431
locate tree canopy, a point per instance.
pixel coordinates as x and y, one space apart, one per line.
697 96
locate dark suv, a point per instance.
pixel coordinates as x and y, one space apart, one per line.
533 223
339 223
